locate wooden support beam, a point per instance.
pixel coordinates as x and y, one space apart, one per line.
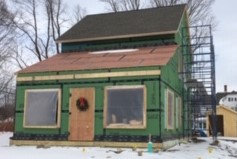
90 75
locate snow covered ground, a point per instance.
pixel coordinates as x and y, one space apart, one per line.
201 150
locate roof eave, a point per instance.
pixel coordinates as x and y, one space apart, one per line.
117 37
226 108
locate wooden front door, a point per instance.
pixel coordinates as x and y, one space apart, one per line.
82 121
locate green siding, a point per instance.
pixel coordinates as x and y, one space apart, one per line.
152 94
64 123
182 38
152 103
118 43
172 80
99 123
182 31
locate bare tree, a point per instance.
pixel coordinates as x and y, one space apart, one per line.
131 4
17 55
78 14
159 3
6 32
199 11
113 5
39 23
27 23
55 13
123 5
6 40
7 94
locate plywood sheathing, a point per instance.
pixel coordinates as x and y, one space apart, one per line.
151 56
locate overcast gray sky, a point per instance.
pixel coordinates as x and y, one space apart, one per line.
225 38
225 41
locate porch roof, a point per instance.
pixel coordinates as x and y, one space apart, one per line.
140 57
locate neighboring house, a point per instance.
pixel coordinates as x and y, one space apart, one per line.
226 121
228 99
117 80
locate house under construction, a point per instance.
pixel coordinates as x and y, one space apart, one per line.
122 79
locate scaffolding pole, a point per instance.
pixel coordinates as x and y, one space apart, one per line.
199 75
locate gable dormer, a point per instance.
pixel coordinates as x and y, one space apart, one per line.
128 29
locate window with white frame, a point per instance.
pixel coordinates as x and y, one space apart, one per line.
125 107
170 109
178 114
42 108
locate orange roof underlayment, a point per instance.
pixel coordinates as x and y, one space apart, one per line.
150 56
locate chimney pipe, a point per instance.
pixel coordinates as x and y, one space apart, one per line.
225 88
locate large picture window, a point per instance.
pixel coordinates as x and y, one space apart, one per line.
169 109
42 108
125 107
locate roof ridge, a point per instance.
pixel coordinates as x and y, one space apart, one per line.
142 9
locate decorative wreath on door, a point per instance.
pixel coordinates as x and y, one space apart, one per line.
82 104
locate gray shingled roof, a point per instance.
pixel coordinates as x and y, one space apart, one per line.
137 23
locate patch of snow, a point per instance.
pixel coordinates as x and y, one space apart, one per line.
4 139
190 150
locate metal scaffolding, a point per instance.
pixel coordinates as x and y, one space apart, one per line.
199 76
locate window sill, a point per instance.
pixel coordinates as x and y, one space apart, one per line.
125 126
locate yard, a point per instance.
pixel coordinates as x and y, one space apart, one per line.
227 149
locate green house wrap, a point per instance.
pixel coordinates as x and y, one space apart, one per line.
117 81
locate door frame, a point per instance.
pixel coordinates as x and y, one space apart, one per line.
92 111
